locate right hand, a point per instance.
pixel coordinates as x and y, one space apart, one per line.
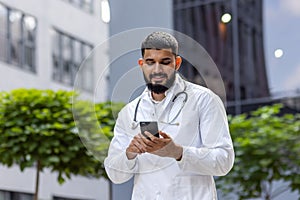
136 146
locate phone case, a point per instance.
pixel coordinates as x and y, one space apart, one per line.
151 127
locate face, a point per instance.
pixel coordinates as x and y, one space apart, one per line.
159 67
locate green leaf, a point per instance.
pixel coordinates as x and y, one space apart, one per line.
54 159
39 125
267 149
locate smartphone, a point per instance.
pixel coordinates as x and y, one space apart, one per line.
151 127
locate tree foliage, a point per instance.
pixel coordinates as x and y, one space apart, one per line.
267 148
95 123
37 128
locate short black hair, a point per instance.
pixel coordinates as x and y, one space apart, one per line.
160 40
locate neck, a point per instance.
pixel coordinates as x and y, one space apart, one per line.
158 97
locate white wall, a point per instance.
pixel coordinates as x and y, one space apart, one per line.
84 26
67 18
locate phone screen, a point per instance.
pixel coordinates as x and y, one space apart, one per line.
151 127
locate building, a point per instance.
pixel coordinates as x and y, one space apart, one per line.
237 49
42 45
131 22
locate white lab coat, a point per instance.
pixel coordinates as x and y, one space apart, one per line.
202 131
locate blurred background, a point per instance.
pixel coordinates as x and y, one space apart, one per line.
254 44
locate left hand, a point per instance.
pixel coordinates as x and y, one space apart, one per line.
164 146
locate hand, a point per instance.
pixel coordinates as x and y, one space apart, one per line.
136 146
164 147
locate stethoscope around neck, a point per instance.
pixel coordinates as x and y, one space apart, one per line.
135 122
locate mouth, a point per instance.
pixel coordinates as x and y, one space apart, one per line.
158 78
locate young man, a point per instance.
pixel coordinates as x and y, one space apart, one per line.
194 143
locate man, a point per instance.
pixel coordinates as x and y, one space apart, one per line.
194 143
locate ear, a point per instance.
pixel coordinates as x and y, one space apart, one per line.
140 62
178 62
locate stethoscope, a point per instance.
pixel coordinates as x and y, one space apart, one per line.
135 123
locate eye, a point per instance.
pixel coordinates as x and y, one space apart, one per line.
150 62
165 62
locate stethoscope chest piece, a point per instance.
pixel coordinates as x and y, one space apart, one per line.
134 125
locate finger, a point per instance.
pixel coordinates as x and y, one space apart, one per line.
147 142
152 138
141 138
133 149
139 149
164 135
137 137
139 145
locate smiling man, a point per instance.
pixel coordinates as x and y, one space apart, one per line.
194 143
159 69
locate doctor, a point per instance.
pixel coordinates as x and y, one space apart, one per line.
194 143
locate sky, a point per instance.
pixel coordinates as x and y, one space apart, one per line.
282 31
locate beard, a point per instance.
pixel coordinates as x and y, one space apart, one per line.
157 87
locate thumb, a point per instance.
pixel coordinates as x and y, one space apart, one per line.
164 135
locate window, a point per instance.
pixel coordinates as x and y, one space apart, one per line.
63 198
15 22
85 5
3 32
67 55
29 41
17 38
9 195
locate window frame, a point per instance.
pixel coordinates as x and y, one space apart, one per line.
14 40
60 63
83 5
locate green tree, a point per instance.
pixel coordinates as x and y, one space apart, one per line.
267 148
37 128
95 123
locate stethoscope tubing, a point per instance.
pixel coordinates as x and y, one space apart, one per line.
135 122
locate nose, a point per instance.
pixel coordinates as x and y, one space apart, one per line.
157 67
